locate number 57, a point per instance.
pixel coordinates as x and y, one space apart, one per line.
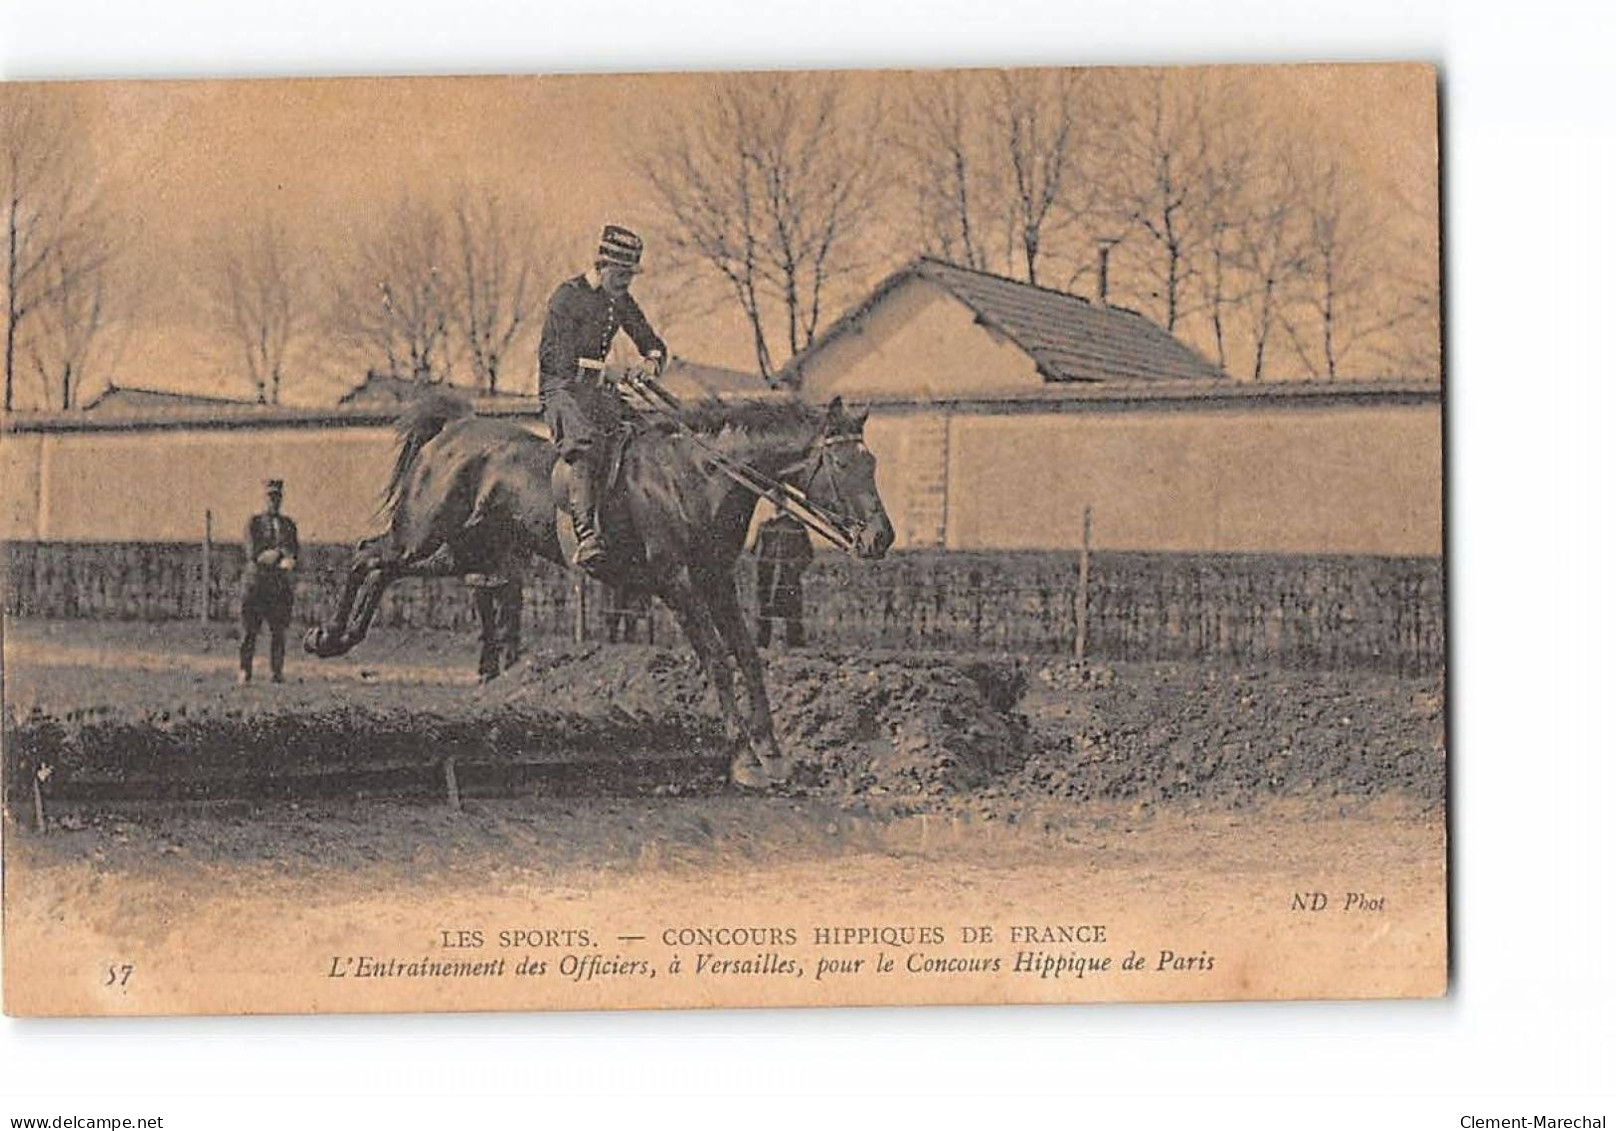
119 975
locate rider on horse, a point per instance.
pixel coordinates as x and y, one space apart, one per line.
583 317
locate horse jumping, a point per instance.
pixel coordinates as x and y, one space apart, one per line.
472 495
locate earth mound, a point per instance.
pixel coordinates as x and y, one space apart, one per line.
911 726
1163 733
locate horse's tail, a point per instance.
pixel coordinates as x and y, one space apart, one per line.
427 415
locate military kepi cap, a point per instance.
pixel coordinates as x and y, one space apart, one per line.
620 247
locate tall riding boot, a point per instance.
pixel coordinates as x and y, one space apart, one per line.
249 645
585 521
277 653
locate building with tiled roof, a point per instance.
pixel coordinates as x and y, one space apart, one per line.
933 328
1001 410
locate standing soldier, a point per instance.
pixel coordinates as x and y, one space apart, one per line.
580 322
783 554
266 585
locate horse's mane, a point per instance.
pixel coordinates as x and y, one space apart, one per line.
753 417
425 416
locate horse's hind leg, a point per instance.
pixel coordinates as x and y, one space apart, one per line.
488 639
510 623
332 637
370 599
372 572
499 619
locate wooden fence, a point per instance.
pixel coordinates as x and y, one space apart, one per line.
1295 611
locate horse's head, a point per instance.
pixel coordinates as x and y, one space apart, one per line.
838 476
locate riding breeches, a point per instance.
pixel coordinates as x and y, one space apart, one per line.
578 415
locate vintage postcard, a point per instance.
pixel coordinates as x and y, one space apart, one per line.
767 539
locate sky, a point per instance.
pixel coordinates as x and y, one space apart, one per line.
186 159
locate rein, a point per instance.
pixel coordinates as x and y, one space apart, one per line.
836 528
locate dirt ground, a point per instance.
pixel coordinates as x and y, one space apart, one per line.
1186 809
147 703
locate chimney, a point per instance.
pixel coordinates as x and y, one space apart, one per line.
1106 244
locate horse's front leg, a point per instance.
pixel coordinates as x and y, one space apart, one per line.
764 764
695 617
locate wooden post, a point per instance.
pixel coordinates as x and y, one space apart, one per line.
39 805
207 564
580 609
451 784
1082 607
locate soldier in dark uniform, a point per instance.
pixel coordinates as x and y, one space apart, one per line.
266 584
583 317
783 554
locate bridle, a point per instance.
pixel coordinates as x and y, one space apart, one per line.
835 525
802 475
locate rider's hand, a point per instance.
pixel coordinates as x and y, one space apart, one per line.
658 362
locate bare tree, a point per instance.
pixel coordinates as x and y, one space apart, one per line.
1411 271
257 285
772 189
1272 254
503 266
1164 186
1345 303
1038 123
959 189
1235 210
998 163
55 237
69 325
393 304
1221 285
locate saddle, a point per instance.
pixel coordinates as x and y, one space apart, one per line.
617 447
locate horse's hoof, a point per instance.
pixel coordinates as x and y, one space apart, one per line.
322 642
750 773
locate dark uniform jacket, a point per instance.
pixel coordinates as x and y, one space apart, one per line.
269 532
580 323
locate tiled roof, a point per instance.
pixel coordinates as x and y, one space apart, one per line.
1068 337
118 399
380 390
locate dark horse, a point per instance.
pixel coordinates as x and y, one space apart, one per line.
472 495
